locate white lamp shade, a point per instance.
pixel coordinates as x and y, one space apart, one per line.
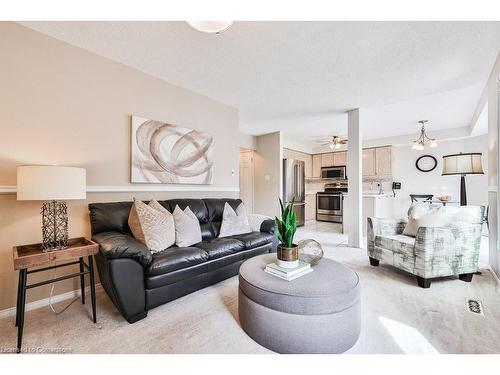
468 163
47 182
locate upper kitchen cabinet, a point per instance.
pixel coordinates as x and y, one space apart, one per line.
327 159
339 158
383 166
306 158
316 165
368 162
377 161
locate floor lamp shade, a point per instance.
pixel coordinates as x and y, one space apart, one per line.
48 183
462 164
52 184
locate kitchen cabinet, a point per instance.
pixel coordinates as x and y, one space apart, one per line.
306 158
310 207
368 162
340 158
383 161
377 161
327 159
316 166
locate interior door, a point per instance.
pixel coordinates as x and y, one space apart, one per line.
246 179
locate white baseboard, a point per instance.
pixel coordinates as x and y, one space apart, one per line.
45 301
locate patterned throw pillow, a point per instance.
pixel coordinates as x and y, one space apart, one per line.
234 222
187 227
152 224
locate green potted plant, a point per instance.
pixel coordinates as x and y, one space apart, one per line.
287 253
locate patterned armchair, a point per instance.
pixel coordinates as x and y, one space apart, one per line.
452 249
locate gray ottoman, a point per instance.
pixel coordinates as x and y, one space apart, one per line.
316 313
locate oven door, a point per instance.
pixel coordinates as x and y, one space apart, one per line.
329 204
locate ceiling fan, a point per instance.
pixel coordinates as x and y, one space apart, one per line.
335 142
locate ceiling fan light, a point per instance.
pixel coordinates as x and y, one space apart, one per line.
337 146
332 146
210 27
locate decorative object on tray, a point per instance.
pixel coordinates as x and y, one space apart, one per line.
444 198
52 184
164 153
310 251
289 274
287 252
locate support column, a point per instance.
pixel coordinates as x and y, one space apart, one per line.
354 175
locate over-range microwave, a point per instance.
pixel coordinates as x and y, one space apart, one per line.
336 173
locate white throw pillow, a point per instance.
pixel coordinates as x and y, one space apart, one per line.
187 227
421 216
152 225
234 222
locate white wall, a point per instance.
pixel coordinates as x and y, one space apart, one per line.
415 182
247 141
268 174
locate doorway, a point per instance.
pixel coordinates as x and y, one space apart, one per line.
246 178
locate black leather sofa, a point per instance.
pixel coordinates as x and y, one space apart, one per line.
137 280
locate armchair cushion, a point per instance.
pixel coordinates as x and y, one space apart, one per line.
398 243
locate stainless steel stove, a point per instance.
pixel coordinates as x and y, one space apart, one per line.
330 203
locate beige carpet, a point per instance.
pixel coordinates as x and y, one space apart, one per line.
398 317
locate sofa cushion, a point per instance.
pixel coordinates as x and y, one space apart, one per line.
397 243
176 258
152 225
254 239
215 207
219 247
187 227
421 216
234 221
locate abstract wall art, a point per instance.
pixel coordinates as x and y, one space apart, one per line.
169 154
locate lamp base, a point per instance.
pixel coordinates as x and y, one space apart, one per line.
463 193
54 226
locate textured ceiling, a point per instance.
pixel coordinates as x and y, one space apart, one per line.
300 77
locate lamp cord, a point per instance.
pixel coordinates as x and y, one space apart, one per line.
52 293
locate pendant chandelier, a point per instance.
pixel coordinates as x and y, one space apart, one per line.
420 143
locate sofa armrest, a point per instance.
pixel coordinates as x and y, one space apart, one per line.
381 227
115 245
434 251
268 226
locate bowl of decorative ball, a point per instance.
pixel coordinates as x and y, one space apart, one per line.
310 251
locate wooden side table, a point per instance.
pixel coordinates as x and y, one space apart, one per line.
27 256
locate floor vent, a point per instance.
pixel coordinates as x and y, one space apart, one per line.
474 306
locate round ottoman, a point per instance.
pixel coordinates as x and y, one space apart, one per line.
316 313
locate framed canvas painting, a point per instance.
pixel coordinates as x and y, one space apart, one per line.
167 154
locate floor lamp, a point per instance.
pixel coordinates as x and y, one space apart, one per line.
462 164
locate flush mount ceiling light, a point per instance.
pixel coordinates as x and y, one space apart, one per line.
424 138
210 27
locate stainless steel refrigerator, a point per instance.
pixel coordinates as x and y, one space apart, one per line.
294 187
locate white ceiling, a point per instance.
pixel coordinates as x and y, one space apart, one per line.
301 77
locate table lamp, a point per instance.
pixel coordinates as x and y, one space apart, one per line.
54 185
462 164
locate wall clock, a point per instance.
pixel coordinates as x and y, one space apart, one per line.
426 163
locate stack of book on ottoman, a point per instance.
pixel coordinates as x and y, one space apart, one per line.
288 273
